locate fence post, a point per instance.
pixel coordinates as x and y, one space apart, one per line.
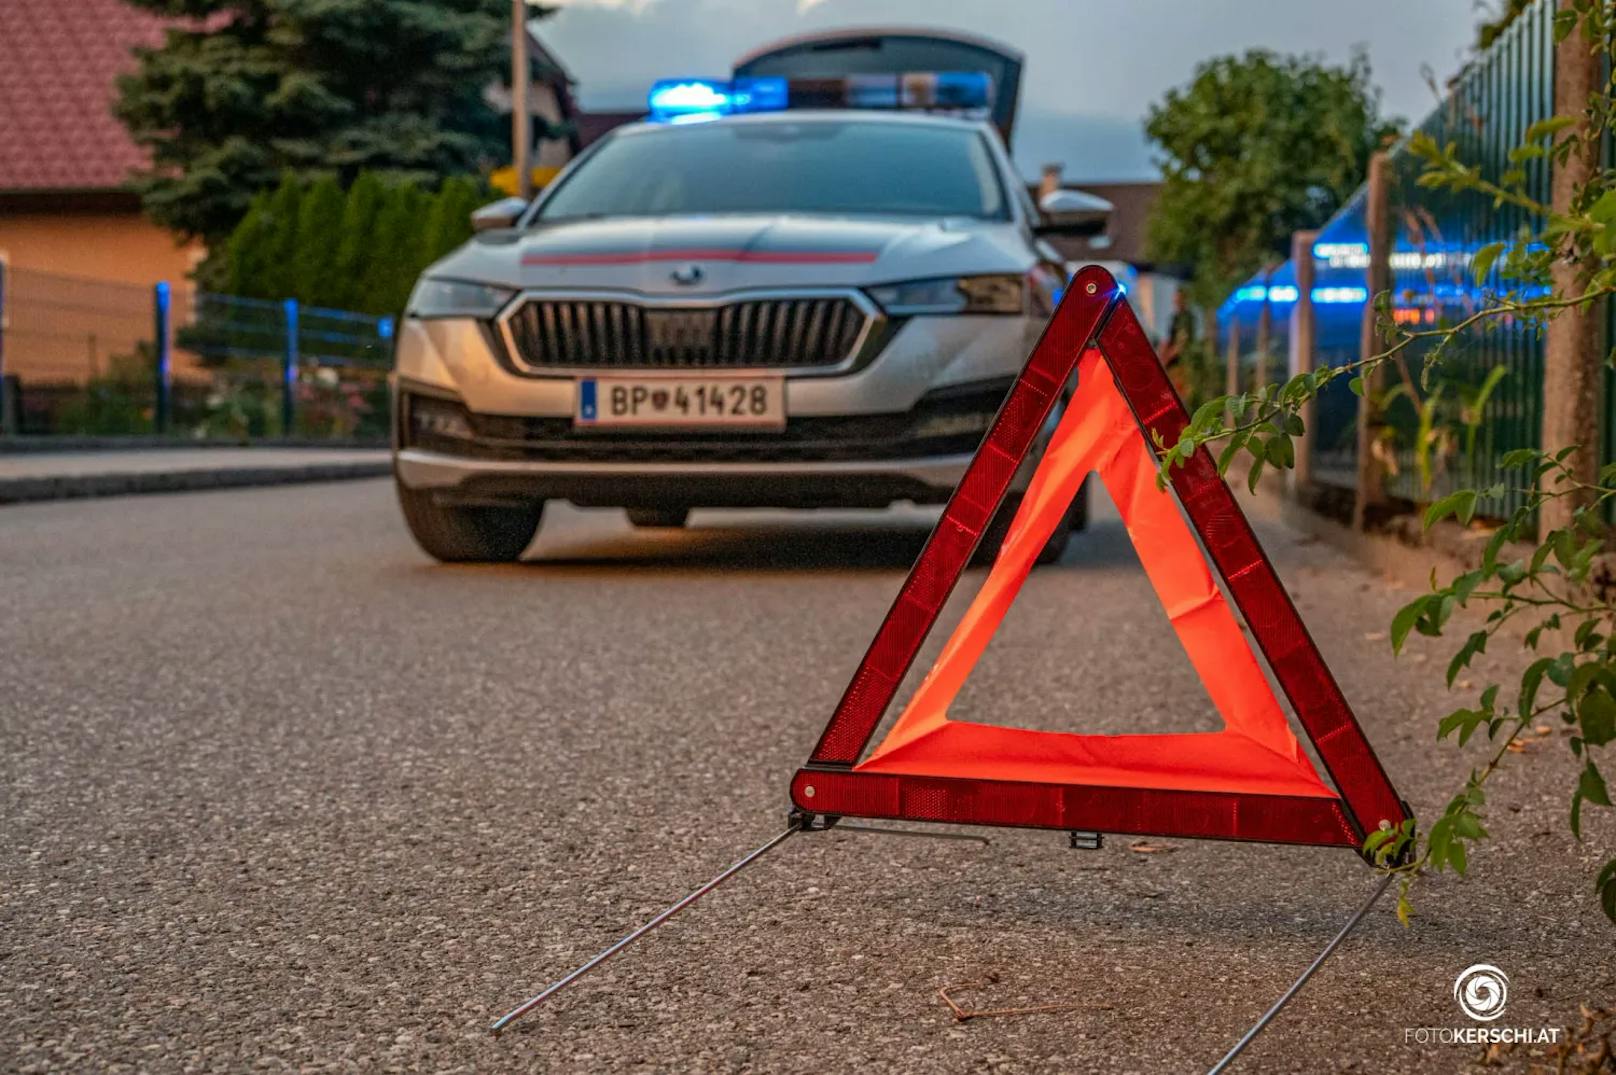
1573 383
1265 332
1231 358
162 344
1377 278
289 361
1300 358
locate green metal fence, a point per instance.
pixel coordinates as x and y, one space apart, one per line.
1487 109
91 357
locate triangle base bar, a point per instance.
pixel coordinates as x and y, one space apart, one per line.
1211 815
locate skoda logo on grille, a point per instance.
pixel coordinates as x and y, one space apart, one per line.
685 275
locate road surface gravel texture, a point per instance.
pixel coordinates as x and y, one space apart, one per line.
277 793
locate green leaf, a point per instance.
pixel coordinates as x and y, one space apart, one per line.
1476 643
1604 210
1461 504
1592 786
1519 457
1530 681
1605 886
1543 128
1357 386
1481 262
1598 716
1404 621
1255 475
1279 451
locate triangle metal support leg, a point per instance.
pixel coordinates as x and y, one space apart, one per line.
730 871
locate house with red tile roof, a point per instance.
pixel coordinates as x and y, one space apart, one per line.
65 207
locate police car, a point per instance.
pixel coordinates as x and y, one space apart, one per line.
740 302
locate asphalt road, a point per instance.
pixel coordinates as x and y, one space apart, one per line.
278 793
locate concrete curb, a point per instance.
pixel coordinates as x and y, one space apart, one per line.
80 486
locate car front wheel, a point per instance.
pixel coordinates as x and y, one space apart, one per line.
1076 518
460 533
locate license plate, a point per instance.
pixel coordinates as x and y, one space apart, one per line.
682 402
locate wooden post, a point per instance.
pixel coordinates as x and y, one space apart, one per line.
1265 333
521 110
1231 368
1573 385
1377 278
1300 359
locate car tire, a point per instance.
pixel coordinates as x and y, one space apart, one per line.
460 534
658 517
1076 518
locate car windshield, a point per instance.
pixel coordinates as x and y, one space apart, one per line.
811 166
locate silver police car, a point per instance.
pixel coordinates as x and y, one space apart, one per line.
787 309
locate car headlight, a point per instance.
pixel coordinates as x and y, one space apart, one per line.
455 298
999 294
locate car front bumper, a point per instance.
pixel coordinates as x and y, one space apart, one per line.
871 483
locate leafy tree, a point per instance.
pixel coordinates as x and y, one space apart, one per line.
242 267
319 224
352 248
1255 148
448 223
277 274
393 260
253 88
1504 13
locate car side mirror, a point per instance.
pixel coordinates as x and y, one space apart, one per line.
501 214
1072 212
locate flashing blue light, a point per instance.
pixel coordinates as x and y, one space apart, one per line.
384 328
1340 294
770 94
963 89
672 98
1283 293
1326 251
1251 293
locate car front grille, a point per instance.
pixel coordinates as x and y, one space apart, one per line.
775 333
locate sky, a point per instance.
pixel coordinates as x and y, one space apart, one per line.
1093 67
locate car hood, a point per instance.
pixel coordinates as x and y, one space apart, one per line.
715 254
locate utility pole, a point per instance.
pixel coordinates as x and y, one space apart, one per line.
1300 360
1574 342
521 111
1377 278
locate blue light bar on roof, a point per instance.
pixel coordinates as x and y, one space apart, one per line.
674 98
679 100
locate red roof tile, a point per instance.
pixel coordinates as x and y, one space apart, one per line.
58 62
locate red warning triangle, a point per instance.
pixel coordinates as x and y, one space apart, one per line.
1249 781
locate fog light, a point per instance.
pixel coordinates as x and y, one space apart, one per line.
439 418
952 425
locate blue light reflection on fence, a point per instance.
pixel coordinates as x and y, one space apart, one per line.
1437 232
